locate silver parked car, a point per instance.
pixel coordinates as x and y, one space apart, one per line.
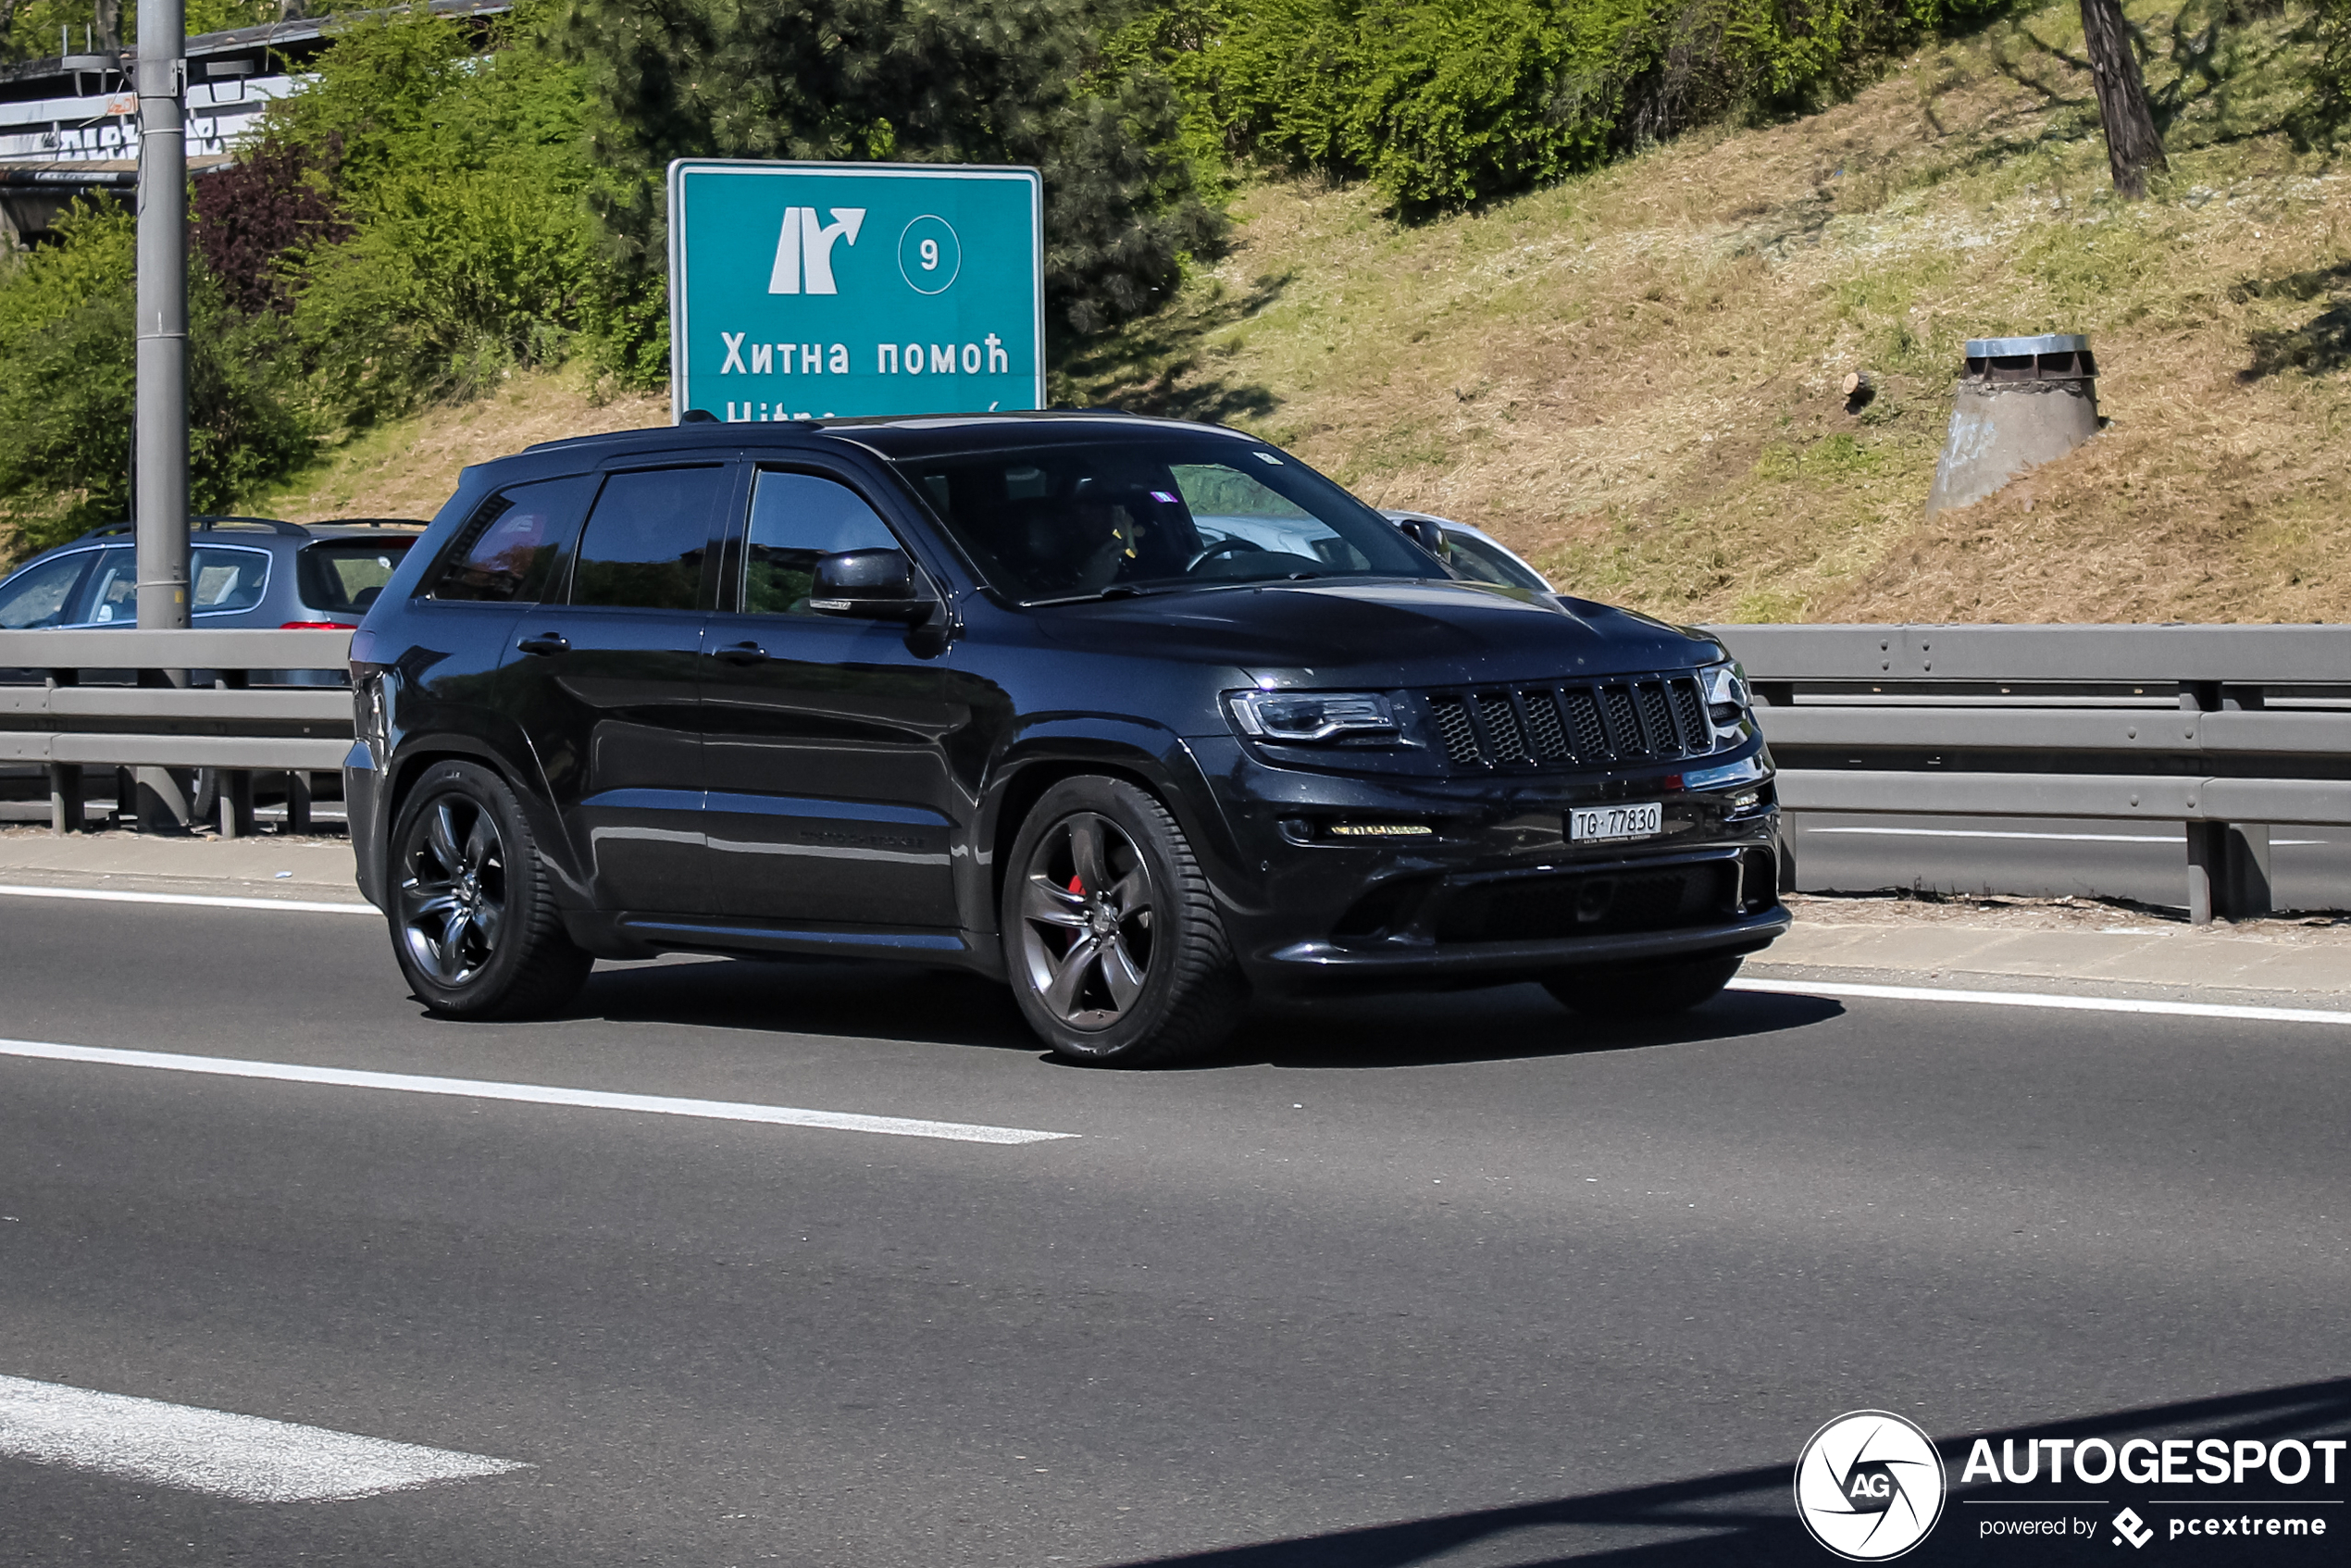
1473 552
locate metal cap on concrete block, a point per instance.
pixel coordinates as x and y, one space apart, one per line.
2020 402
2052 356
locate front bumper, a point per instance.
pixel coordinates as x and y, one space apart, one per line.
1495 891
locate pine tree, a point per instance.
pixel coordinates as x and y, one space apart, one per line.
1017 81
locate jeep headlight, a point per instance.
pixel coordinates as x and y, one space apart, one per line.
1724 688
1313 718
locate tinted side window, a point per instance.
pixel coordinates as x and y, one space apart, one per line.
111 596
646 538
36 596
223 580
509 551
795 518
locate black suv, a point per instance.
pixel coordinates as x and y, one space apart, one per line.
1135 714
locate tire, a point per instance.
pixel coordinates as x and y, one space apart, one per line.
473 925
1654 991
1111 931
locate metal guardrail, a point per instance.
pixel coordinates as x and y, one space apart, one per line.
2226 730
109 699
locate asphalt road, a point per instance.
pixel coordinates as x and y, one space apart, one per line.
1446 1280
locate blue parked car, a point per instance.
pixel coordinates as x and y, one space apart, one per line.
242 572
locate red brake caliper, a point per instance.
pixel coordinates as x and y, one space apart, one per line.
1078 886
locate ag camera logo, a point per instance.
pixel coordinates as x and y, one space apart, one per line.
1869 1485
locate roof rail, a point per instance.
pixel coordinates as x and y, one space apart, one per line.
205 523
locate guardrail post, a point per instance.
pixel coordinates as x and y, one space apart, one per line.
64 778
2228 871
236 802
65 798
297 801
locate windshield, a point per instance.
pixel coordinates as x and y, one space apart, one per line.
1076 522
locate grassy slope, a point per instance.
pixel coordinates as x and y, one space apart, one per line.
407 469
1634 376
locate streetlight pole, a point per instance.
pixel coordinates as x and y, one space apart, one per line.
161 501
160 485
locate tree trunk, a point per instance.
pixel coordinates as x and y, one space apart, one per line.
107 24
2132 146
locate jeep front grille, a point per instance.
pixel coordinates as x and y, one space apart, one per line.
1577 724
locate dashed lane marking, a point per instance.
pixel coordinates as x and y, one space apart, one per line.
2041 999
533 1094
200 901
243 1457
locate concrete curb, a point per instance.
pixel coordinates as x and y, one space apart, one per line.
2183 958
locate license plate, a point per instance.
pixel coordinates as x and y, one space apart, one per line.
1597 823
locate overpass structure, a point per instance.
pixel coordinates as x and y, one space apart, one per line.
69 123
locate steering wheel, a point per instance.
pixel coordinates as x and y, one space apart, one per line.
1222 547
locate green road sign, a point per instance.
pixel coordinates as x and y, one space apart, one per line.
817 290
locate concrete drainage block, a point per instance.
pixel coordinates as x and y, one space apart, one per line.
2021 402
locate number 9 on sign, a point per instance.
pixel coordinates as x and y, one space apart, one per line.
930 255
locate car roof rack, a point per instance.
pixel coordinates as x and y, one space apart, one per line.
206 522
371 523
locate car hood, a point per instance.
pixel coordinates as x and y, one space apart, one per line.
1380 633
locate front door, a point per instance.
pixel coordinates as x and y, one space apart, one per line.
824 738
604 679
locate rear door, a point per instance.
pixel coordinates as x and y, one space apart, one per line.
603 682
825 738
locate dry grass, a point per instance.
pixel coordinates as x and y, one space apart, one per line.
408 469
1633 378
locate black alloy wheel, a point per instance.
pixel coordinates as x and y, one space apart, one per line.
1111 931
452 890
473 926
1644 990
1086 940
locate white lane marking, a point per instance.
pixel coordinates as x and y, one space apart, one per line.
243 1457
2041 999
201 901
534 1094
2000 833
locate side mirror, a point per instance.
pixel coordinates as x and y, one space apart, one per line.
872 584
1427 533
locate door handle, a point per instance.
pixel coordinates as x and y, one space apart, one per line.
545 642
743 654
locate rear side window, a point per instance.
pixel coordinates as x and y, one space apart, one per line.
509 552
223 580
795 518
36 596
111 596
346 575
645 541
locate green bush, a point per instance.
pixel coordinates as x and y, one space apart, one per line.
1444 103
1024 81
67 358
460 182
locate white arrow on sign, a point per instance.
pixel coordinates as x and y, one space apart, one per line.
804 250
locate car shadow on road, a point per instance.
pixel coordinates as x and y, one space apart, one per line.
812 997
1502 1023
1407 1030
1748 1516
